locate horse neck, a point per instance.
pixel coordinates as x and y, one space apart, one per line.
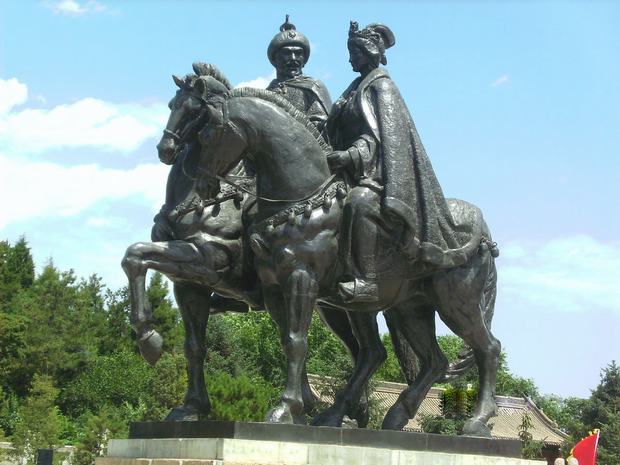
183 174
290 162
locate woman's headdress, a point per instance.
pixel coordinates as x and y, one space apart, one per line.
374 38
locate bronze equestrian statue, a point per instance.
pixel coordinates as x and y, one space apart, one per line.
422 253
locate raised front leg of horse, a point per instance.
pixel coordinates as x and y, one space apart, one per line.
300 293
177 259
194 302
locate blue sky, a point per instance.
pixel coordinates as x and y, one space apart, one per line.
518 105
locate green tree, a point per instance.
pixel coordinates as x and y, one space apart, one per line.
390 370
38 425
327 355
12 349
240 398
96 431
457 402
62 327
602 411
255 337
530 449
16 271
111 380
118 335
224 351
168 385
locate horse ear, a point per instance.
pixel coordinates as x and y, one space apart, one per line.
178 81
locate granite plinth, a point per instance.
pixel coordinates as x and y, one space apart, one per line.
223 451
393 440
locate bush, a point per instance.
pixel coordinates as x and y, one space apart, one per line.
112 380
240 398
38 425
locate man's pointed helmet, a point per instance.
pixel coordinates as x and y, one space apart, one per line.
288 36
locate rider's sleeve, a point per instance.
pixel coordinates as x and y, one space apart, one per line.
363 155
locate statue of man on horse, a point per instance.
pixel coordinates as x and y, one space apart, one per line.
288 52
374 202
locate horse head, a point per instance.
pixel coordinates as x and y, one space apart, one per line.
187 109
223 142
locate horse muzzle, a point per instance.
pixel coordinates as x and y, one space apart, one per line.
167 150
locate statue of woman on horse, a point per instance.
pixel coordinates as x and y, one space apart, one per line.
394 187
374 201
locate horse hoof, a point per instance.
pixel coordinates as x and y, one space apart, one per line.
476 428
182 413
396 418
327 418
360 415
280 414
151 346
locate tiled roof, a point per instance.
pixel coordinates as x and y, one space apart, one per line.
505 424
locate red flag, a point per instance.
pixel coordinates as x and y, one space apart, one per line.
585 450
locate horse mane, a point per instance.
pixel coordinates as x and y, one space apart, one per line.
287 106
207 69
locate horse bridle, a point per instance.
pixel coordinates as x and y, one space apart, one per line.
179 139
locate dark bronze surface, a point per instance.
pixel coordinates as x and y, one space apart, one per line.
273 202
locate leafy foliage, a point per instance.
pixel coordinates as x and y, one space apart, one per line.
457 403
113 380
390 370
530 449
70 370
38 423
602 411
240 398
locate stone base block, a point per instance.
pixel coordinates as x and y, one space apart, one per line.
226 451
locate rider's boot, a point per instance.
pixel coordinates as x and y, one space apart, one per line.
358 246
359 290
363 288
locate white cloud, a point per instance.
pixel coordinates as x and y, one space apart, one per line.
575 273
75 8
260 82
40 189
503 79
12 93
88 122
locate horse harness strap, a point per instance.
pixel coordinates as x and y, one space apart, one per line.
321 198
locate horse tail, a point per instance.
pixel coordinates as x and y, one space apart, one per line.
466 360
405 355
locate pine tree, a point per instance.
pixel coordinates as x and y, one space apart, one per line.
602 411
16 271
118 335
62 329
38 425
20 264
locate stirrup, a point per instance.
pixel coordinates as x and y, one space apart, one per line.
358 291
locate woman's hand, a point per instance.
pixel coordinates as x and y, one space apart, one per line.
339 160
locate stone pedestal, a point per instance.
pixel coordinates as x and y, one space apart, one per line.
232 443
